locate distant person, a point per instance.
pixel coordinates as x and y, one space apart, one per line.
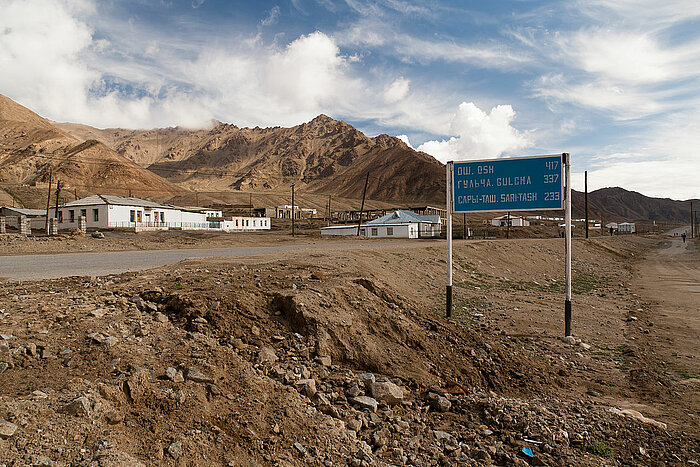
683 235
611 231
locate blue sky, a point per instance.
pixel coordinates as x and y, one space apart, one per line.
614 82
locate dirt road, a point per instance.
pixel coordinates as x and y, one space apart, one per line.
670 277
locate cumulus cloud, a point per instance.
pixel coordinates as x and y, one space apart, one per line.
405 139
397 90
479 135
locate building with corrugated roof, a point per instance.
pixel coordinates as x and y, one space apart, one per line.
397 224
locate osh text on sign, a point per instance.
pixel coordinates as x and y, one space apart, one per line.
514 184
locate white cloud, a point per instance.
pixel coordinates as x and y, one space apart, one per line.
272 17
661 162
405 139
479 135
624 102
376 34
145 78
397 90
623 56
650 13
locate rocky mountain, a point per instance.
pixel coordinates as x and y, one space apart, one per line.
321 156
616 204
31 147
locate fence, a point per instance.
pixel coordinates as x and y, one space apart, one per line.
153 226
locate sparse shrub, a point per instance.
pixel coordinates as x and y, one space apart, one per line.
601 449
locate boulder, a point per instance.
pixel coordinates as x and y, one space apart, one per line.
386 391
365 402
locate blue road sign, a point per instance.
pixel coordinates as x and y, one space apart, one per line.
513 184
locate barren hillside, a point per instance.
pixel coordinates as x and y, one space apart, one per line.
323 155
31 147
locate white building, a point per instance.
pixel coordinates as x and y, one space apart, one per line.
107 211
514 221
626 227
241 223
398 224
285 212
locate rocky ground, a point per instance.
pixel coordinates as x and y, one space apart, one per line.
345 357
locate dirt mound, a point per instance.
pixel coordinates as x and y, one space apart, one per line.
331 357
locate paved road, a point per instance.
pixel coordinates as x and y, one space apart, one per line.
37 267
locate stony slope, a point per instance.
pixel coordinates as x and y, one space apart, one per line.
31 146
323 156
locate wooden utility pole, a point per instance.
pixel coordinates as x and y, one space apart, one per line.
464 226
58 193
585 184
75 193
330 212
692 225
292 209
250 203
48 200
362 206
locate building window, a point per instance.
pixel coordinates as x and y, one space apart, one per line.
60 216
162 216
83 213
362 232
71 215
132 216
374 231
390 231
96 215
138 216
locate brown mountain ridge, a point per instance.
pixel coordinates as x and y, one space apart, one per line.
32 146
323 156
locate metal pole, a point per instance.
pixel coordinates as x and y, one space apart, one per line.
330 212
448 291
464 226
292 209
692 225
585 183
508 226
567 217
362 207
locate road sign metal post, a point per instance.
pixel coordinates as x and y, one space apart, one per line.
448 291
567 218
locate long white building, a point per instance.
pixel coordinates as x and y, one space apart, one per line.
117 212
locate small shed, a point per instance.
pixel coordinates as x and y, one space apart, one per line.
36 217
626 227
514 221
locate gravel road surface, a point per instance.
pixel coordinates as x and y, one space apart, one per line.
38 267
